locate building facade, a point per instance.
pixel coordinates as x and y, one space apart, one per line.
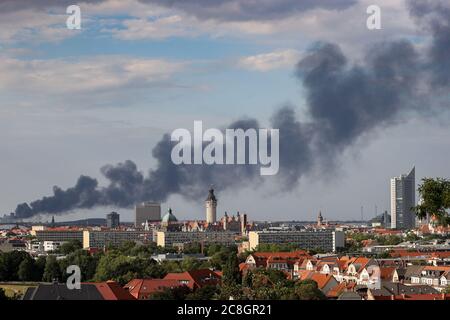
147 211
170 239
114 238
326 239
58 235
113 220
211 207
403 199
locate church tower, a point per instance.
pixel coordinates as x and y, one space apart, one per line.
211 205
319 219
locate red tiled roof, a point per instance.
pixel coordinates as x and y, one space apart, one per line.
111 290
321 279
386 272
337 290
143 288
441 254
196 278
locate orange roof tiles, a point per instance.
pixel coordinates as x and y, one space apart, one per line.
111 290
143 288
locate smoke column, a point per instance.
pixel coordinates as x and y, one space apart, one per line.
345 102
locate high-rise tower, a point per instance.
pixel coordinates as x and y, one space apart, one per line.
211 205
403 199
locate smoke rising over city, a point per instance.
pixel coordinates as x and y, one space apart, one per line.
346 102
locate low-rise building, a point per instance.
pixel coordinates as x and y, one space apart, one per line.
51 245
195 279
142 289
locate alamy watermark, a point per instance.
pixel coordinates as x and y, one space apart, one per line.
374 20
235 147
73 22
74 280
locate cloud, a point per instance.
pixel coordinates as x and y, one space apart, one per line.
31 26
157 28
270 61
247 10
100 73
230 10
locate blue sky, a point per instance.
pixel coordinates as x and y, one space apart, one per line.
74 100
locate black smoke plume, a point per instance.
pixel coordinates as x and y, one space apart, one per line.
345 102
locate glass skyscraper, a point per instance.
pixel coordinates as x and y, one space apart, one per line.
403 199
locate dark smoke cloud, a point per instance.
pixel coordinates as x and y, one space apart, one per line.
345 103
434 16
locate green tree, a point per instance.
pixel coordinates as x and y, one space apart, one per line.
308 290
82 259
52 270
39 267
231 272
435 195
26 269
203 293
70 246
9 264
176 293
189 264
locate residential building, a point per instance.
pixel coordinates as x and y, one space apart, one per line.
324 239
59 234
179 238
109 290
435 276
142 289
51 245
195 279
283 261
114 238
389 289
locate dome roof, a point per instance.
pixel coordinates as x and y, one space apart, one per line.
169 217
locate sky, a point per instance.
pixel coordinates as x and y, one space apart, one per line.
72 101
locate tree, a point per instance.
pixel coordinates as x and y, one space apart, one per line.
435 195
3 296
52 271
9 264
39 267
81 258
231 272
70 246
189 264
26 269
203 293
308 290
176 293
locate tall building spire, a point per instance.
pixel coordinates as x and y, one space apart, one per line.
211 205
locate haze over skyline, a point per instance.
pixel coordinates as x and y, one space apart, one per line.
73 101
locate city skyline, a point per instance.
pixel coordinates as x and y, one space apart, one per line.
79 102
